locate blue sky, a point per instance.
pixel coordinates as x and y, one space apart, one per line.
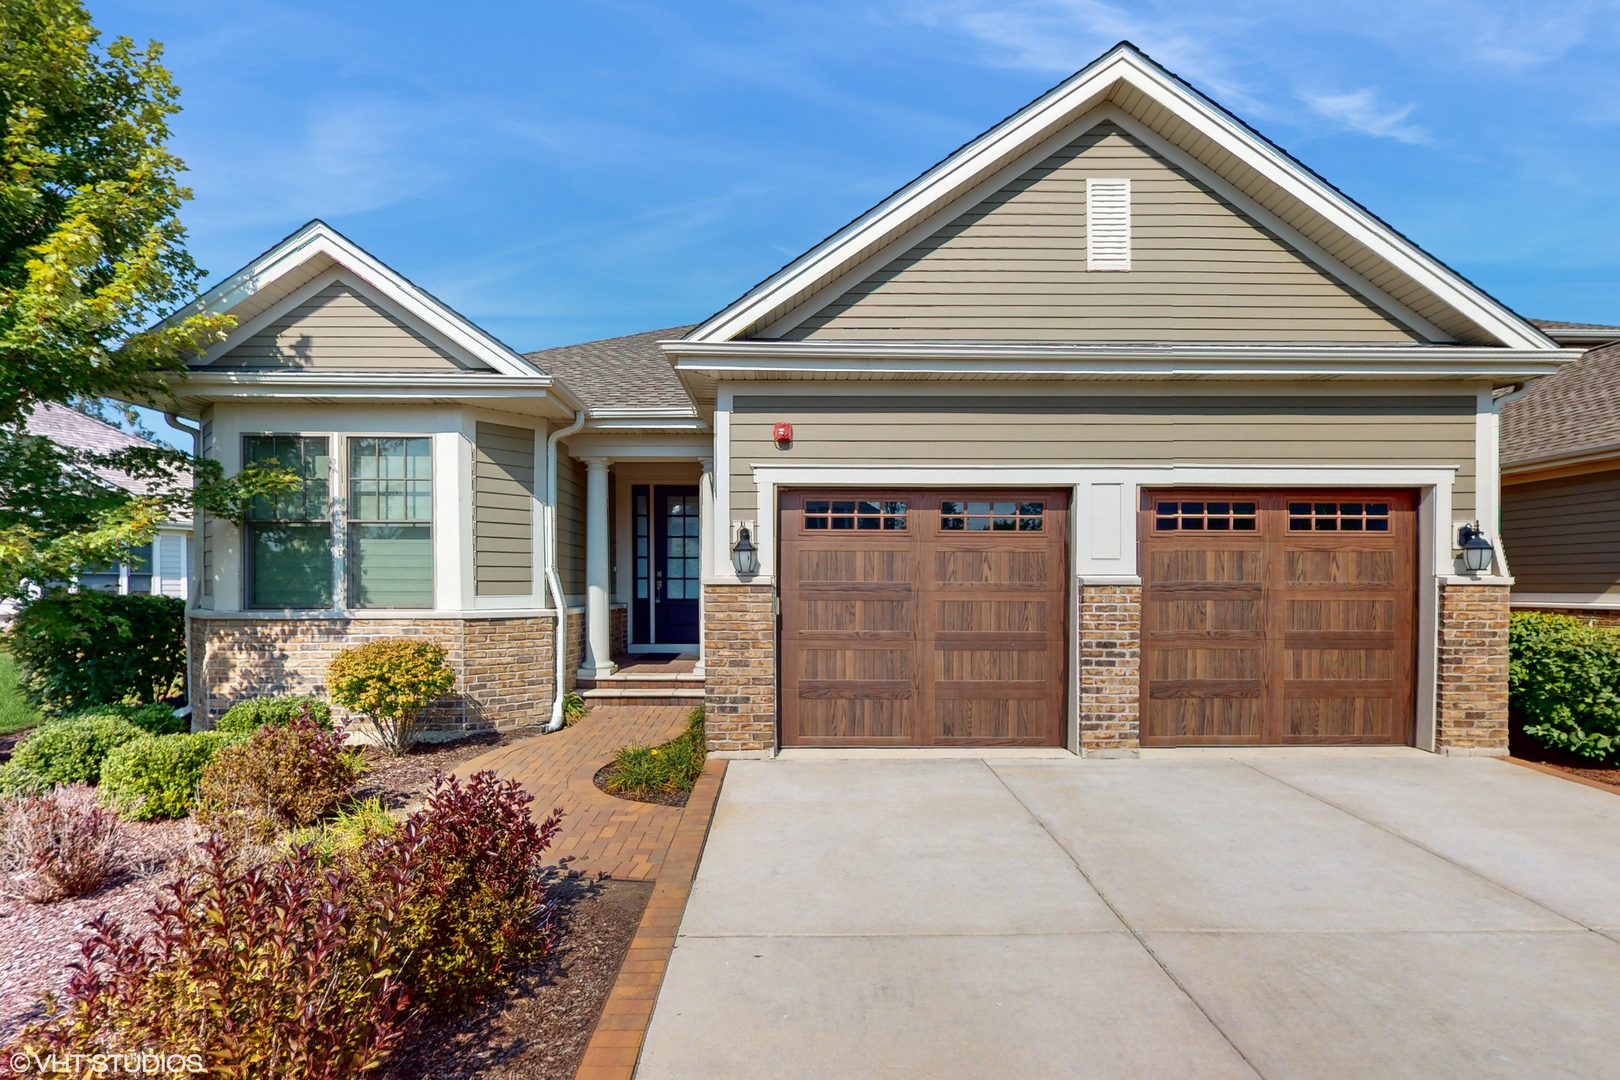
566 171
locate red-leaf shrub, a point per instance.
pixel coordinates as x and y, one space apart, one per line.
283 776
269 970
477 906
62 844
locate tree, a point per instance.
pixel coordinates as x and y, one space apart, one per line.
93 278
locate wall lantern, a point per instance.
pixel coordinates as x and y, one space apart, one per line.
744 555
1476 549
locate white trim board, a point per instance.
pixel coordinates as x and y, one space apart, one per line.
1603 601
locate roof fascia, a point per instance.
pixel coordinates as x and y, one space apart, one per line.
967 168
318 238
205 385
1591 337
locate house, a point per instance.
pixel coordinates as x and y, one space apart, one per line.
1118 428
1561 481
161 568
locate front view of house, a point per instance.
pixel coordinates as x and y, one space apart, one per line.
1118 428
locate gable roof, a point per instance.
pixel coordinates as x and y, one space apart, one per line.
620 373
298 263
1568 417
78 431
1130 89
1577 333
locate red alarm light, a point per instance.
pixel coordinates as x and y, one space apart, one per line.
782 433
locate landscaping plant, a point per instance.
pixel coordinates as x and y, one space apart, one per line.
640 771
1564 680
350 828
390 682
281 777
67 751
84 649
574 709
156 776
246 717
61 844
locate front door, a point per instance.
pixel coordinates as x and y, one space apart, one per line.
677 562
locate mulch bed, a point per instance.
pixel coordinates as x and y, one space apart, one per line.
537 1027
402 782
662 798
1525 748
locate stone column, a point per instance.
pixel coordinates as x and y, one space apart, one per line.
598 573
708 546
1110 657
1472 707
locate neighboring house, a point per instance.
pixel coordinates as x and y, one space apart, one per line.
163 567
1561 481
1117 428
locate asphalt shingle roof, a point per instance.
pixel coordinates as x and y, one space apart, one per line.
72 428
1575 411
628 372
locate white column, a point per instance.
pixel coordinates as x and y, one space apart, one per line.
598 573
707 548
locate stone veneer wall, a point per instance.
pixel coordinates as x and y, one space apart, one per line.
503 665
739 664
1471 711
1110 669
619 630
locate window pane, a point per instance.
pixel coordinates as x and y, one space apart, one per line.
378 488
391 565
305 456
290 565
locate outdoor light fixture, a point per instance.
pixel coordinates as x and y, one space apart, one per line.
1476 549
744 555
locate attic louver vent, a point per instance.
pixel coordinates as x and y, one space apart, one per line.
1108 223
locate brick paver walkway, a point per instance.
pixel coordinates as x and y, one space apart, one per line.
606 836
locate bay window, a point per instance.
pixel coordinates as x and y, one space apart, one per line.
390 550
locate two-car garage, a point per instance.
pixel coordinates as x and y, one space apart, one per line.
933 617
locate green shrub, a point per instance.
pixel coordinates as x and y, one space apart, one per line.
246 717
574 709
638 772
390 682
156 776
346 831
67 751
158 718
281 777
80 649
1564 680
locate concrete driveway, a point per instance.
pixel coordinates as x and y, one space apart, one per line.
1274 916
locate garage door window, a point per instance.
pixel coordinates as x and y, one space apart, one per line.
1202 516
866 514
967 516
1338 517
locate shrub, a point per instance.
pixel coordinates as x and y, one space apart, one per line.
62 844
67 751
477 901
79 649
157 718
246 717
156 776
638 772
574 709
349 829
268 970
390 682
280 777
1564 680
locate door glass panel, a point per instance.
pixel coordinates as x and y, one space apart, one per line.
682 573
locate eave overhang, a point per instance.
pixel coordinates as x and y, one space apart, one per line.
537 395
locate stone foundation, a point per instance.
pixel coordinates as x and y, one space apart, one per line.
1471 710
503 666
619 630
739 663
1110 669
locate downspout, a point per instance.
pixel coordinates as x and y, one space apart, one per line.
553 580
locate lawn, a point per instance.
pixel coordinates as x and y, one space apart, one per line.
15 712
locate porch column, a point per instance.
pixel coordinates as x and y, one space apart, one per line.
598 573
706 549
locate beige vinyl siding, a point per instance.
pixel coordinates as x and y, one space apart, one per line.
571 526
1103 430
503 510
204 520
338 328
1014 268
1563 536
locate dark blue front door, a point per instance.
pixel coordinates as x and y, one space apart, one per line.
677 562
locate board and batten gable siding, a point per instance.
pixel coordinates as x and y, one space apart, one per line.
340 329
1013 267
1078 429
503 510
571 526
1563 535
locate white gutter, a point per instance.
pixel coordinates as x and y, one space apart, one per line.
553 581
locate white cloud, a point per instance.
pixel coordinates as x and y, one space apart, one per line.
1360 111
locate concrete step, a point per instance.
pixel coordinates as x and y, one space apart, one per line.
642 681
672 695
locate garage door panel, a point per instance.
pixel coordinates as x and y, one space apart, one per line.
1317 601
962 600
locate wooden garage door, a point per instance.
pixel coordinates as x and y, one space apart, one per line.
1278 617
923 618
